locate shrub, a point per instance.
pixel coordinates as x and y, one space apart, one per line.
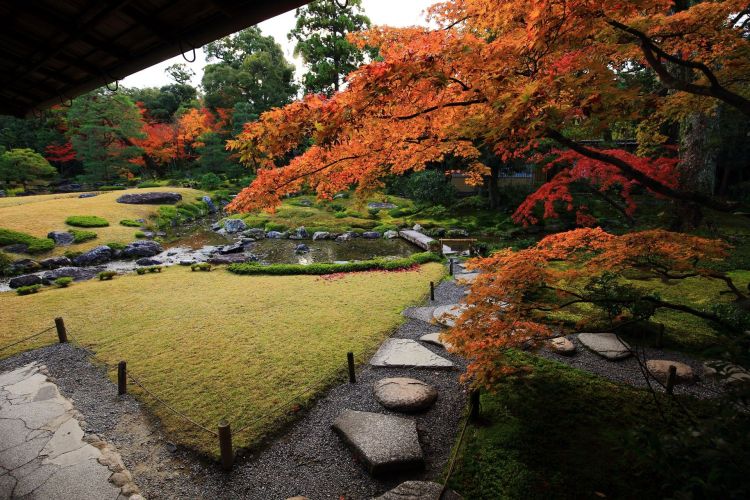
150 269
330 268
130 223
209 181
86 221
36 245
337 208
201 266
106 275
140 234
28 290
112 188
149 184
79 236
63 281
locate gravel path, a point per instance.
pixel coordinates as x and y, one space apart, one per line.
628 370
308 459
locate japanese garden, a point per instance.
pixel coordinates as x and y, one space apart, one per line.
499 249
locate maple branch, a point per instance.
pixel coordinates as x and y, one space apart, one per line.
646 181
453 104
317 170
654 54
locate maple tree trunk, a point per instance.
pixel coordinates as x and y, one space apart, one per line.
492 189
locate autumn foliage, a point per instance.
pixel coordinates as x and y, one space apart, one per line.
512 303
507 75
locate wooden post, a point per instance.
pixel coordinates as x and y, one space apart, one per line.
352 375
225 445
474 400
62 334
432 291
661 335
450 267
671 376
122 378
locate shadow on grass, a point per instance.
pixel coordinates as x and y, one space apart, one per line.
557 433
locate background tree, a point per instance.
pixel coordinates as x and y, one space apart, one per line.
24 167
180 73
320 35
249 68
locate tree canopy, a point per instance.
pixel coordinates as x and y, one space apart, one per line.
320 35
24 166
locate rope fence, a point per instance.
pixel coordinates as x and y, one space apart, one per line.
26 338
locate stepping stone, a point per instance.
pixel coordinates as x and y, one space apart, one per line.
447 315
407 353
563 346
434 338
384 443
404 394
606 345
659 368
725 372
419 490
420 313
465 278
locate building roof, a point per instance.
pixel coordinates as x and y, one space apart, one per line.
55 50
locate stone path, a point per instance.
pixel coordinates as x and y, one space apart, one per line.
407 353
43 450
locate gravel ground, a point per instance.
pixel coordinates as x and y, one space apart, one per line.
308 459
628 370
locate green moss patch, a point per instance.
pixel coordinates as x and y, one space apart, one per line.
86 221
332 268
35 245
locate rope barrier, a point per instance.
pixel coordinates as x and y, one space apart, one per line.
27 338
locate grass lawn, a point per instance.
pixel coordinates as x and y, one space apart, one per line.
38 215
216 345
557 433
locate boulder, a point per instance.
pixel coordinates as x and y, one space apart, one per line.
97 255
209 203
61 238
438 232
417 227
300 234
148 261
389 235
301 248
155 198
216 227
435 337
25 280
563 346
2 193
233 248
255 232
344 237
274 235
148 235
232 226
77 273
371 235
321 235
235 258
376 205
384 443
404 394
24 266
139 249
659 368
87 195
16 248
457 233
607 345
55 262
418 490
725 372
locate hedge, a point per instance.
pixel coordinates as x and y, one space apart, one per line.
79 235
86 221
331 268
36 245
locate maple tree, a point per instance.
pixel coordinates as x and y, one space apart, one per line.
513 302
507 75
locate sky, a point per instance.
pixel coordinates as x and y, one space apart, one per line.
397 13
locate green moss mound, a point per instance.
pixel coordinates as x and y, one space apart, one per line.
36 245
79 235
86 221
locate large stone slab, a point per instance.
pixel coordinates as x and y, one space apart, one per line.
404 394
607 345
659 368
406 353
153 198
419 490
434 339
384 443
448 314
420 313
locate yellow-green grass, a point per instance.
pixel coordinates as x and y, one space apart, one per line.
38 215
216 345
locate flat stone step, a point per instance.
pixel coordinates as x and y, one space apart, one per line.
434 339
404 394
419 490
420 313
384 443
465 278
659 368
563 346
448 314
407 353
606 345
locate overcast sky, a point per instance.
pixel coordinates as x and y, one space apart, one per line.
396 13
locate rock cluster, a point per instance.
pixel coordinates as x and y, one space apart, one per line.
154 198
